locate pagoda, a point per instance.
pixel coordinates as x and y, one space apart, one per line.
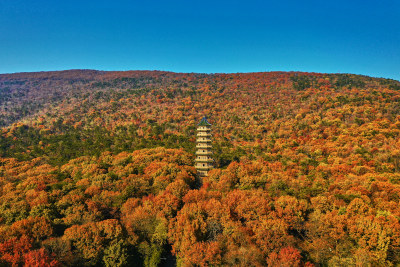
204 162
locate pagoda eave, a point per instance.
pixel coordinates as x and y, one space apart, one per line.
204 160
205 168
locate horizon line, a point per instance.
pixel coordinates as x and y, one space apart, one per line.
209 73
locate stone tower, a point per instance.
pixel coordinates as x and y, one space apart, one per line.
204 162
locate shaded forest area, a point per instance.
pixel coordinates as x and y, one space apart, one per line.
96 168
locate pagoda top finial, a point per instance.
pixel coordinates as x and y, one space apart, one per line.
204 122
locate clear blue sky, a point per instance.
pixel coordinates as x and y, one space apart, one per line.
353 36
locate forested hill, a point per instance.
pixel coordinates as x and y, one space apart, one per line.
90 112
96 168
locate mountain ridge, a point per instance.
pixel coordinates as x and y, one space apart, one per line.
49 87
178 72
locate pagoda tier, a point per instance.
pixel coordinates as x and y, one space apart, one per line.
203 140
202 168
204 134
203 146
201 152
204 129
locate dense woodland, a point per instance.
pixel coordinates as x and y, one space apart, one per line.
96 168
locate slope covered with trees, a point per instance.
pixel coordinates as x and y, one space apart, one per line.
96 168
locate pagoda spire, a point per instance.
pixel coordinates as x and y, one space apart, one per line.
204 161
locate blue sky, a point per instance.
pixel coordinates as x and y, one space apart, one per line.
361 37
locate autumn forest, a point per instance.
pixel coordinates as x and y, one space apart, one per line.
97 169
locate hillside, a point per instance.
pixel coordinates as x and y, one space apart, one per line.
308 169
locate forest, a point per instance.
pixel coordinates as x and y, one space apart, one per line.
97 169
